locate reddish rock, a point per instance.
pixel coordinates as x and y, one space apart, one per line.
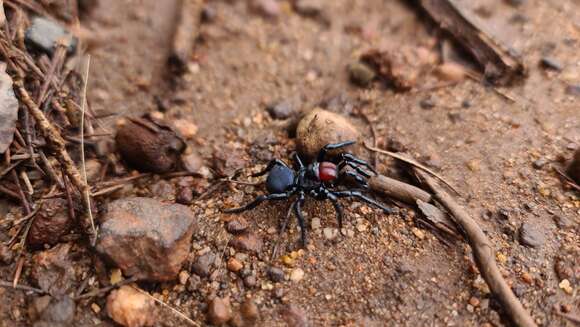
219 311
52 270
131 308
248 242
146 238
50 223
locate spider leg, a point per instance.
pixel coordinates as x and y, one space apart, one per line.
357 177
332 146
349 157
260 199
337 208
283 225
298 160
353 166
298 212
362 197
269 167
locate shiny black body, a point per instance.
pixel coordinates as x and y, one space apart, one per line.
284 182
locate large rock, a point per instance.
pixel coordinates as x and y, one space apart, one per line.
146 238
319 128
131 308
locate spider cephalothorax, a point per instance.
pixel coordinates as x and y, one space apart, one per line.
318 180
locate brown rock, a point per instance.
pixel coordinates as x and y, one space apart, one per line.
6 255
219 311
184 195
50 224
237 226
149 145
250 310
248 242
146 238
295 316
450 72
234 265
131 308
321 127
574 167
52 271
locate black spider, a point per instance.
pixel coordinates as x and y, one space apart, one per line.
316 180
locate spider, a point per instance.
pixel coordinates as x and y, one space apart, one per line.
317 180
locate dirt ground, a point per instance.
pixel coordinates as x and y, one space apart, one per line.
388 270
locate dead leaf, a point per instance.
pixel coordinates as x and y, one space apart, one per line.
8 110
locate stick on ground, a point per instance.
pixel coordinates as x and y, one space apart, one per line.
484 254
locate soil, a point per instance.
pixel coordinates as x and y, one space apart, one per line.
388 270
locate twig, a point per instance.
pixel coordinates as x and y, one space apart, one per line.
484 254
57 144
177 312
21 287
87 190
413 163
398 190
105 290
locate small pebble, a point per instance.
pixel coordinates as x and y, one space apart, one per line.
531 236
250 281
451 72
361 74
474 301
296 275
183 277
330 233
131 308
237 226
419 233
427 103
565 286
527 278
538 164
234 265
315 223
276 274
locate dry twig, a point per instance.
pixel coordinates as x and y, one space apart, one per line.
484 254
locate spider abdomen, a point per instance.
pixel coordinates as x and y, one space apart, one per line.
327 171
280 179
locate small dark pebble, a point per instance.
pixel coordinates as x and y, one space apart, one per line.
276 274
202 265
503 214
250 281
428 103
455 117
237 226
573 90
531 236
208 14
184 196
539 164
361 74
466 104
550 63
281 110
6 255
573 169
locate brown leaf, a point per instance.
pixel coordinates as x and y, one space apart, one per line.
8 110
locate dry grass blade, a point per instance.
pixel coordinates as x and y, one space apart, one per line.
413 163
87 190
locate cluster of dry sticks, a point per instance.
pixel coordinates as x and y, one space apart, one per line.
50 130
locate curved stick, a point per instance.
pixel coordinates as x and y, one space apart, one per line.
484 254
